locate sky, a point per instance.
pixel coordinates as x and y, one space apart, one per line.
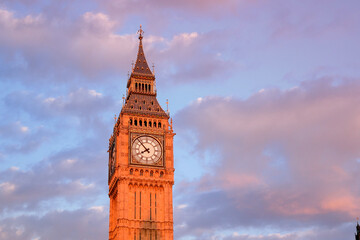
264 96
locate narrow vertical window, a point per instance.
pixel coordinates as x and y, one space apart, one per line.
140 208
155 212
134 235
150 207
135 205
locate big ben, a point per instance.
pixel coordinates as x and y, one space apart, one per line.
141 162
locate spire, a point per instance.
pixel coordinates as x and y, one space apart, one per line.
141 66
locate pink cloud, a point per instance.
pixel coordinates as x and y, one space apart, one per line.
283 155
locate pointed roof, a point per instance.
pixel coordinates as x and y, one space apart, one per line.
141 65
140 104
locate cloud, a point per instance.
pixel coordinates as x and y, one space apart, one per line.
286 159
20 139
80 103
69 175
57 225
39 48
191 57
13 129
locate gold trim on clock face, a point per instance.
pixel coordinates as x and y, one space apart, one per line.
146 150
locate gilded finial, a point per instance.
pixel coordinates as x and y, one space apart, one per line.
115 118
140 32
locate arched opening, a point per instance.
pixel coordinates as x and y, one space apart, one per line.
131 171
154 124
145 123
161 174
149 88
143 87
141 172
159 125
151 173
136 86
135 122
130 122
149 123
140 123
146 87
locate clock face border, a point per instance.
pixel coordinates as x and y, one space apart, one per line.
160 138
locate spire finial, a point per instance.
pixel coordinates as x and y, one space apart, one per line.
153 68
115 118
140 32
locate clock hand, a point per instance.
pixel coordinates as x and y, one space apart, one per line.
146 149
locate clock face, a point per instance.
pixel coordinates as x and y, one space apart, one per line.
146 150
112 160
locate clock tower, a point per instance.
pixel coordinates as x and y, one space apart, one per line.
141 162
